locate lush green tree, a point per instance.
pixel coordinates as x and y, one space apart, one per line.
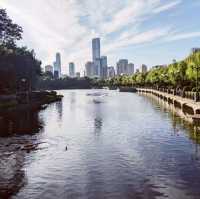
9 31
193 69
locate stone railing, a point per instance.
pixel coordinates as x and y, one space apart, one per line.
178 92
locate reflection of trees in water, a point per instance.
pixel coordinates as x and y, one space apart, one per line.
12 153
12 176
20 122
179 123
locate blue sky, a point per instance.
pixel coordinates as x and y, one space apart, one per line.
144 31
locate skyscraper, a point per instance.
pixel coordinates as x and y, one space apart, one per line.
96 56
71 69
122 67
96 49
78 74
130 68
89 69
104 66
143 68
57 64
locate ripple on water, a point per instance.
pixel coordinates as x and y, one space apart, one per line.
127 147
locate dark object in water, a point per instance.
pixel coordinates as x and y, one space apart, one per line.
128 89
66 148
97 101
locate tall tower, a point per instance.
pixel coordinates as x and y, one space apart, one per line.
130 68
96 56
96 49
58 63
104 66
71 69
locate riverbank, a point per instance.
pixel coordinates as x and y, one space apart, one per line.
35 100
185 108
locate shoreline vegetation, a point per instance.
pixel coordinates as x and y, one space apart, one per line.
33 101
19 72
182 75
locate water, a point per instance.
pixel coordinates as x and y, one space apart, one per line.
120 145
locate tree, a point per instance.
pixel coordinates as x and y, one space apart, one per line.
193 67
9 31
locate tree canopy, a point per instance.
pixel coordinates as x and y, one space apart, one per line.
16 63
9 31
178 74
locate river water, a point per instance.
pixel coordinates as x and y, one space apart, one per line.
99 144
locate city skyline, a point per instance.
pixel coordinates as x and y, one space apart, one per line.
135 30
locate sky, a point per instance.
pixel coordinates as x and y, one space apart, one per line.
147 32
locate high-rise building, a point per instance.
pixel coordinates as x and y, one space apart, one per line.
78 75
122 67
57 64
55 70
104 66
96 56
71 69
130 68
143 68
96 49
56 74
49 68
89 69
110 72
97 68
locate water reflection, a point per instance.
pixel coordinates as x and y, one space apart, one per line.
98 122
179 125
17 133
19 122
59 108
12 176
135 149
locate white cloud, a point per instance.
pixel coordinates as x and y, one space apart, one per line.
138 38
67 26
181 36
167 6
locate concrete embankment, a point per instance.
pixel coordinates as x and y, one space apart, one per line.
186 108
